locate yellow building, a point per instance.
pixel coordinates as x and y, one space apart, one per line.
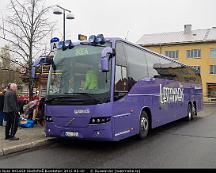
191 47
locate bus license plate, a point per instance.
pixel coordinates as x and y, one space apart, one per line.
72 134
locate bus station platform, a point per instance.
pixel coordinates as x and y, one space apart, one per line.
29 138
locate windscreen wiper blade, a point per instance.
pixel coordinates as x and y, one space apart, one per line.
88 95
59 98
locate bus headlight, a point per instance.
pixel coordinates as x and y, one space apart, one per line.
49 119
69 44
92 39
100 39
99 120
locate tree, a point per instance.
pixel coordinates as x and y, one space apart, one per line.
9 71
5 74
6 58
26 29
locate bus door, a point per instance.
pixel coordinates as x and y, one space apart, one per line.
122 114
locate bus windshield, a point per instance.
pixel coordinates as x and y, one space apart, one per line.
77 73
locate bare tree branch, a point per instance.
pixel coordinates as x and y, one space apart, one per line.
16 52
17 45
13 61
25 29
21 22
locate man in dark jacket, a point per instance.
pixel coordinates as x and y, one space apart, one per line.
11 110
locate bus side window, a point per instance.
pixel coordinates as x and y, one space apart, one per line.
152 61
121 82
136 63
120 54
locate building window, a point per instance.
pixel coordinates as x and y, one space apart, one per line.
197 68
213 53
194 53
212 69
211 90
172 54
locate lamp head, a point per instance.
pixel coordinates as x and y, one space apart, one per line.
57 11
70 16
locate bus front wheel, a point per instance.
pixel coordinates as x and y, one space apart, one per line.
144 125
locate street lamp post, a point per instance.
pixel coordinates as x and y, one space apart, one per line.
69 16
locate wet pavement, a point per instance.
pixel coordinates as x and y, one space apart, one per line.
180 144
29 138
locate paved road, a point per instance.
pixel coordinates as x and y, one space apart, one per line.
178 145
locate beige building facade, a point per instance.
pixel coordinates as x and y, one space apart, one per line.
191 47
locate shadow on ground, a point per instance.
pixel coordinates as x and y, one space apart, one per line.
116 145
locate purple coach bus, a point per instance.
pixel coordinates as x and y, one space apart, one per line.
110 89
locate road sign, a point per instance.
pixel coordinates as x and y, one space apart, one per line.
54 43
55 39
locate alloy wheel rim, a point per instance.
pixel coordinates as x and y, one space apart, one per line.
144 124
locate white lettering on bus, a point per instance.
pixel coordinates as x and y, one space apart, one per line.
81 111
169 95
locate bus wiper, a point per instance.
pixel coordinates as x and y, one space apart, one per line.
59 98
92 44
88 95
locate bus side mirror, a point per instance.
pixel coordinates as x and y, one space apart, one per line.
105 64
105 55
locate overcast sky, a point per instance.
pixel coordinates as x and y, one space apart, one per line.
131 18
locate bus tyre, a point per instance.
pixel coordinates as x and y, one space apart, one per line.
191 112
194 110
144 125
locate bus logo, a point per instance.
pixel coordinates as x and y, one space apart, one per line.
169 95
81 111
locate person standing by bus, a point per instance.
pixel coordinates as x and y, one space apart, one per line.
11 112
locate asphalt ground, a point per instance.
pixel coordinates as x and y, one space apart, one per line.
180 144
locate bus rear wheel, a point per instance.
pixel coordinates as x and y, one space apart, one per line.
195 109
144 125
191 112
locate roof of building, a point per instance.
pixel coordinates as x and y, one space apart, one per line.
195 36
